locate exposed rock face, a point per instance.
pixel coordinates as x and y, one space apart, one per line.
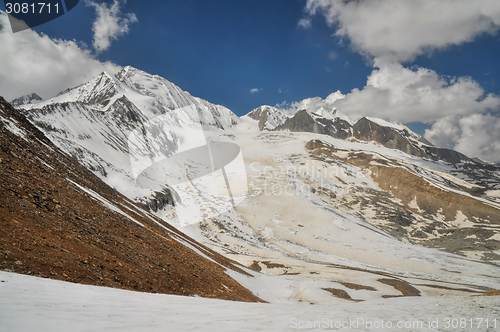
392 136
158 201
25 100
404 140
389 137
60 221
304 121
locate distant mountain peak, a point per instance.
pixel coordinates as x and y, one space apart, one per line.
31 98
268 117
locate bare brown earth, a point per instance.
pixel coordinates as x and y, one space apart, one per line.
404 287
341 294
357 286
51 228
255 266
494 292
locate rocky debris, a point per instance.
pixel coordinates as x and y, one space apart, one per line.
351 285
60 221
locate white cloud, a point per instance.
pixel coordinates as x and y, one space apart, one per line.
255 90
305 23
403 29
36 63
109 24
283 105
397 93
311 104
391 32
476 135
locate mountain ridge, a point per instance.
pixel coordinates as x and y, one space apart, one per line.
391 135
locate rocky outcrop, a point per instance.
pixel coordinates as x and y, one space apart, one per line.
304 121
404 140
389 137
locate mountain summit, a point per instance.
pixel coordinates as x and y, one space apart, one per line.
26 100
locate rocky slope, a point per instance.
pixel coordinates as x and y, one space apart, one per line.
60 221
420 203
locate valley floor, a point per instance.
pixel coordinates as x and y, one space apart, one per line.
35 304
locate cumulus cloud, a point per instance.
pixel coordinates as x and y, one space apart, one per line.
476 135
255 90
31 62
109 24
391 32
401 94
311 104
402 30
315 103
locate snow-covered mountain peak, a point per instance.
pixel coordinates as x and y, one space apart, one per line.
390 124
93 123
97 92
99 89
31 98
330 113
268 117
153 95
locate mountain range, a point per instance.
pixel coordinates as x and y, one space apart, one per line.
336 210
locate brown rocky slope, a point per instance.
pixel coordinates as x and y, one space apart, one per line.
58 220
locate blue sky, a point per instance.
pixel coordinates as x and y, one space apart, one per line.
220 50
